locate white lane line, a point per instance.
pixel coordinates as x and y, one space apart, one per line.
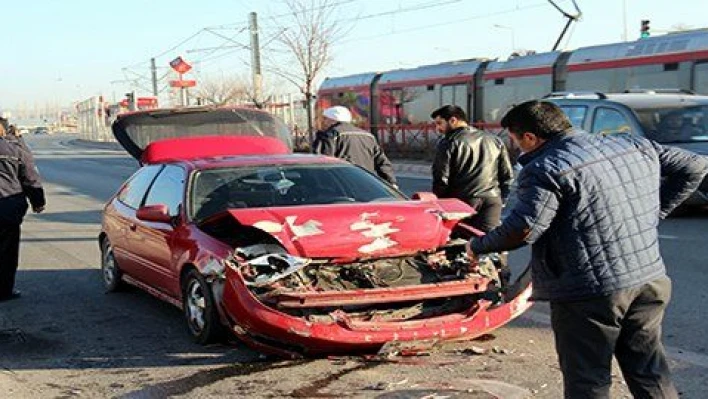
682 355
668 237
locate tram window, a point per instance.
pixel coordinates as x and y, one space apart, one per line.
671 66
431 87
576 114
609 121
701 78
499 81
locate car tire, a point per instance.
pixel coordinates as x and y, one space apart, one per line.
200 311
110 272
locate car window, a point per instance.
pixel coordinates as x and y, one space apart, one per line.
576 114
133 192
610 121
685 124
168 189
215 190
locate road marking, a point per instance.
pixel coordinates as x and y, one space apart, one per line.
668 237
682 355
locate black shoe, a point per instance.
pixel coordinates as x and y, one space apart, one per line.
15 295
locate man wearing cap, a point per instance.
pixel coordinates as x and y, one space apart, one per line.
19 182
343 140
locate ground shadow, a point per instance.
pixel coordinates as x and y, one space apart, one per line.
76 217
65 320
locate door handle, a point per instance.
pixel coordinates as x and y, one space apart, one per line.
133 227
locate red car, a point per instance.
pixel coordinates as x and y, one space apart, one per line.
294 254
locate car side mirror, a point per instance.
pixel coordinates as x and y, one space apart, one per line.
424 196
154 213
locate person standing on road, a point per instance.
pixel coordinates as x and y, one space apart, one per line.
590 207
19 182
343 140
472 166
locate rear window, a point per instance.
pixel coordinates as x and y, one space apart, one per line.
215 190
136 131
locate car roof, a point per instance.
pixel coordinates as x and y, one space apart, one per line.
641 100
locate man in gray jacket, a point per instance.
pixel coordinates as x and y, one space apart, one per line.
343 140
590 206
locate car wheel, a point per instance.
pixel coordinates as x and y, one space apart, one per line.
112 276
200 310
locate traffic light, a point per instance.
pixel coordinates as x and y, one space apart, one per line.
130 96
645 28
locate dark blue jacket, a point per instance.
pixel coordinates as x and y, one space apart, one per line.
590 205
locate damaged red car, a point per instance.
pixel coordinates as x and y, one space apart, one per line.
294 254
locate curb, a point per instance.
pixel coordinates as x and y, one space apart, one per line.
418 169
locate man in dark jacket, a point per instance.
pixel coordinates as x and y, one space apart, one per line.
472 166
342 140
19 181
590 206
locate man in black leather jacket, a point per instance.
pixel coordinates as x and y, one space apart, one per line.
472 166
342 140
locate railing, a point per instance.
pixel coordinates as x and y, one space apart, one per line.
418 141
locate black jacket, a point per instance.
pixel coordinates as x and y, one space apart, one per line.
19 182
471 164
357 146
590 206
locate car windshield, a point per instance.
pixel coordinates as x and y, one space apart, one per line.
675 125
214 190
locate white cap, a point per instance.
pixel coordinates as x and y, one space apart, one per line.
338 113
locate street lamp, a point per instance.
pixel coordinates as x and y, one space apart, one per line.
511 31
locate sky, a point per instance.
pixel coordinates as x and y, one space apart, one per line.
63 51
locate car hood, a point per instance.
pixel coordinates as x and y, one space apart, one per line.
356 231
135 131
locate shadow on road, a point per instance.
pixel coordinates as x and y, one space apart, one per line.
65 320
77 217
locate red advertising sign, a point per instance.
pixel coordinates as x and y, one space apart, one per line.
183 83
180 65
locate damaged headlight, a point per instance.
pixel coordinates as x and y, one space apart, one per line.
270 268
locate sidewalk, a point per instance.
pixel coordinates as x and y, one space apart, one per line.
400 166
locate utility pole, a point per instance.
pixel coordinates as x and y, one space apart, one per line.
255 58
153 70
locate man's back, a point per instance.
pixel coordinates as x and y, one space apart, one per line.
471 164
602 197
19 181
356 146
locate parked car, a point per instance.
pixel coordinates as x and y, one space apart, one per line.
40 130
669 117
292 253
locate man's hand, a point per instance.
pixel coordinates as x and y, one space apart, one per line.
38 209
471 253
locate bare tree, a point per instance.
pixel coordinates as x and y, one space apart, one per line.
308 41
222 91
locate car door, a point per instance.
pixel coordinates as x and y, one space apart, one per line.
120 221
157 238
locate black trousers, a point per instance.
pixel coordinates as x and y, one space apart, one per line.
626 324
488 214
9 257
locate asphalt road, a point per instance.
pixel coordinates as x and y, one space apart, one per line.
66 338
